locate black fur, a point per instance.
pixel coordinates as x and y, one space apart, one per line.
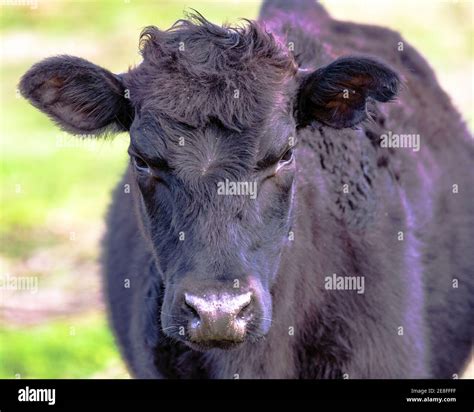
337 94
56 86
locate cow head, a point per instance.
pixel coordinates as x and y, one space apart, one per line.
213 114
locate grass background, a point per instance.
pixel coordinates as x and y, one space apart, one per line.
54 189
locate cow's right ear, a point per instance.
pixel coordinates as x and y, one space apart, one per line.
79 96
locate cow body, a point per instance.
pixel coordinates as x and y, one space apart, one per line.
401 227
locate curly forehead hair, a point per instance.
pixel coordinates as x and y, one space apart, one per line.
196 70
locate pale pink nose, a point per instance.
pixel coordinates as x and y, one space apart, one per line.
218 317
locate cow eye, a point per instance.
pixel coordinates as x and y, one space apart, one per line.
288 156
140 165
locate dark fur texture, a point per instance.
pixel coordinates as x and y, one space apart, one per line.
215 61
55 86
361 78
302 329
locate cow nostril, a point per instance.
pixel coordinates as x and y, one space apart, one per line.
245 311
191 309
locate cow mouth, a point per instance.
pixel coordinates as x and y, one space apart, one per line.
214 344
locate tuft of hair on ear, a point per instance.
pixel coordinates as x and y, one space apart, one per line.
337 94
79 96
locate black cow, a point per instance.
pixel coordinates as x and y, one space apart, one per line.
276 219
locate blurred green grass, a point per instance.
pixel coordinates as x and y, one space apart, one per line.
51 185
72 349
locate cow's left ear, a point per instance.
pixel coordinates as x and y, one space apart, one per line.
337 94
